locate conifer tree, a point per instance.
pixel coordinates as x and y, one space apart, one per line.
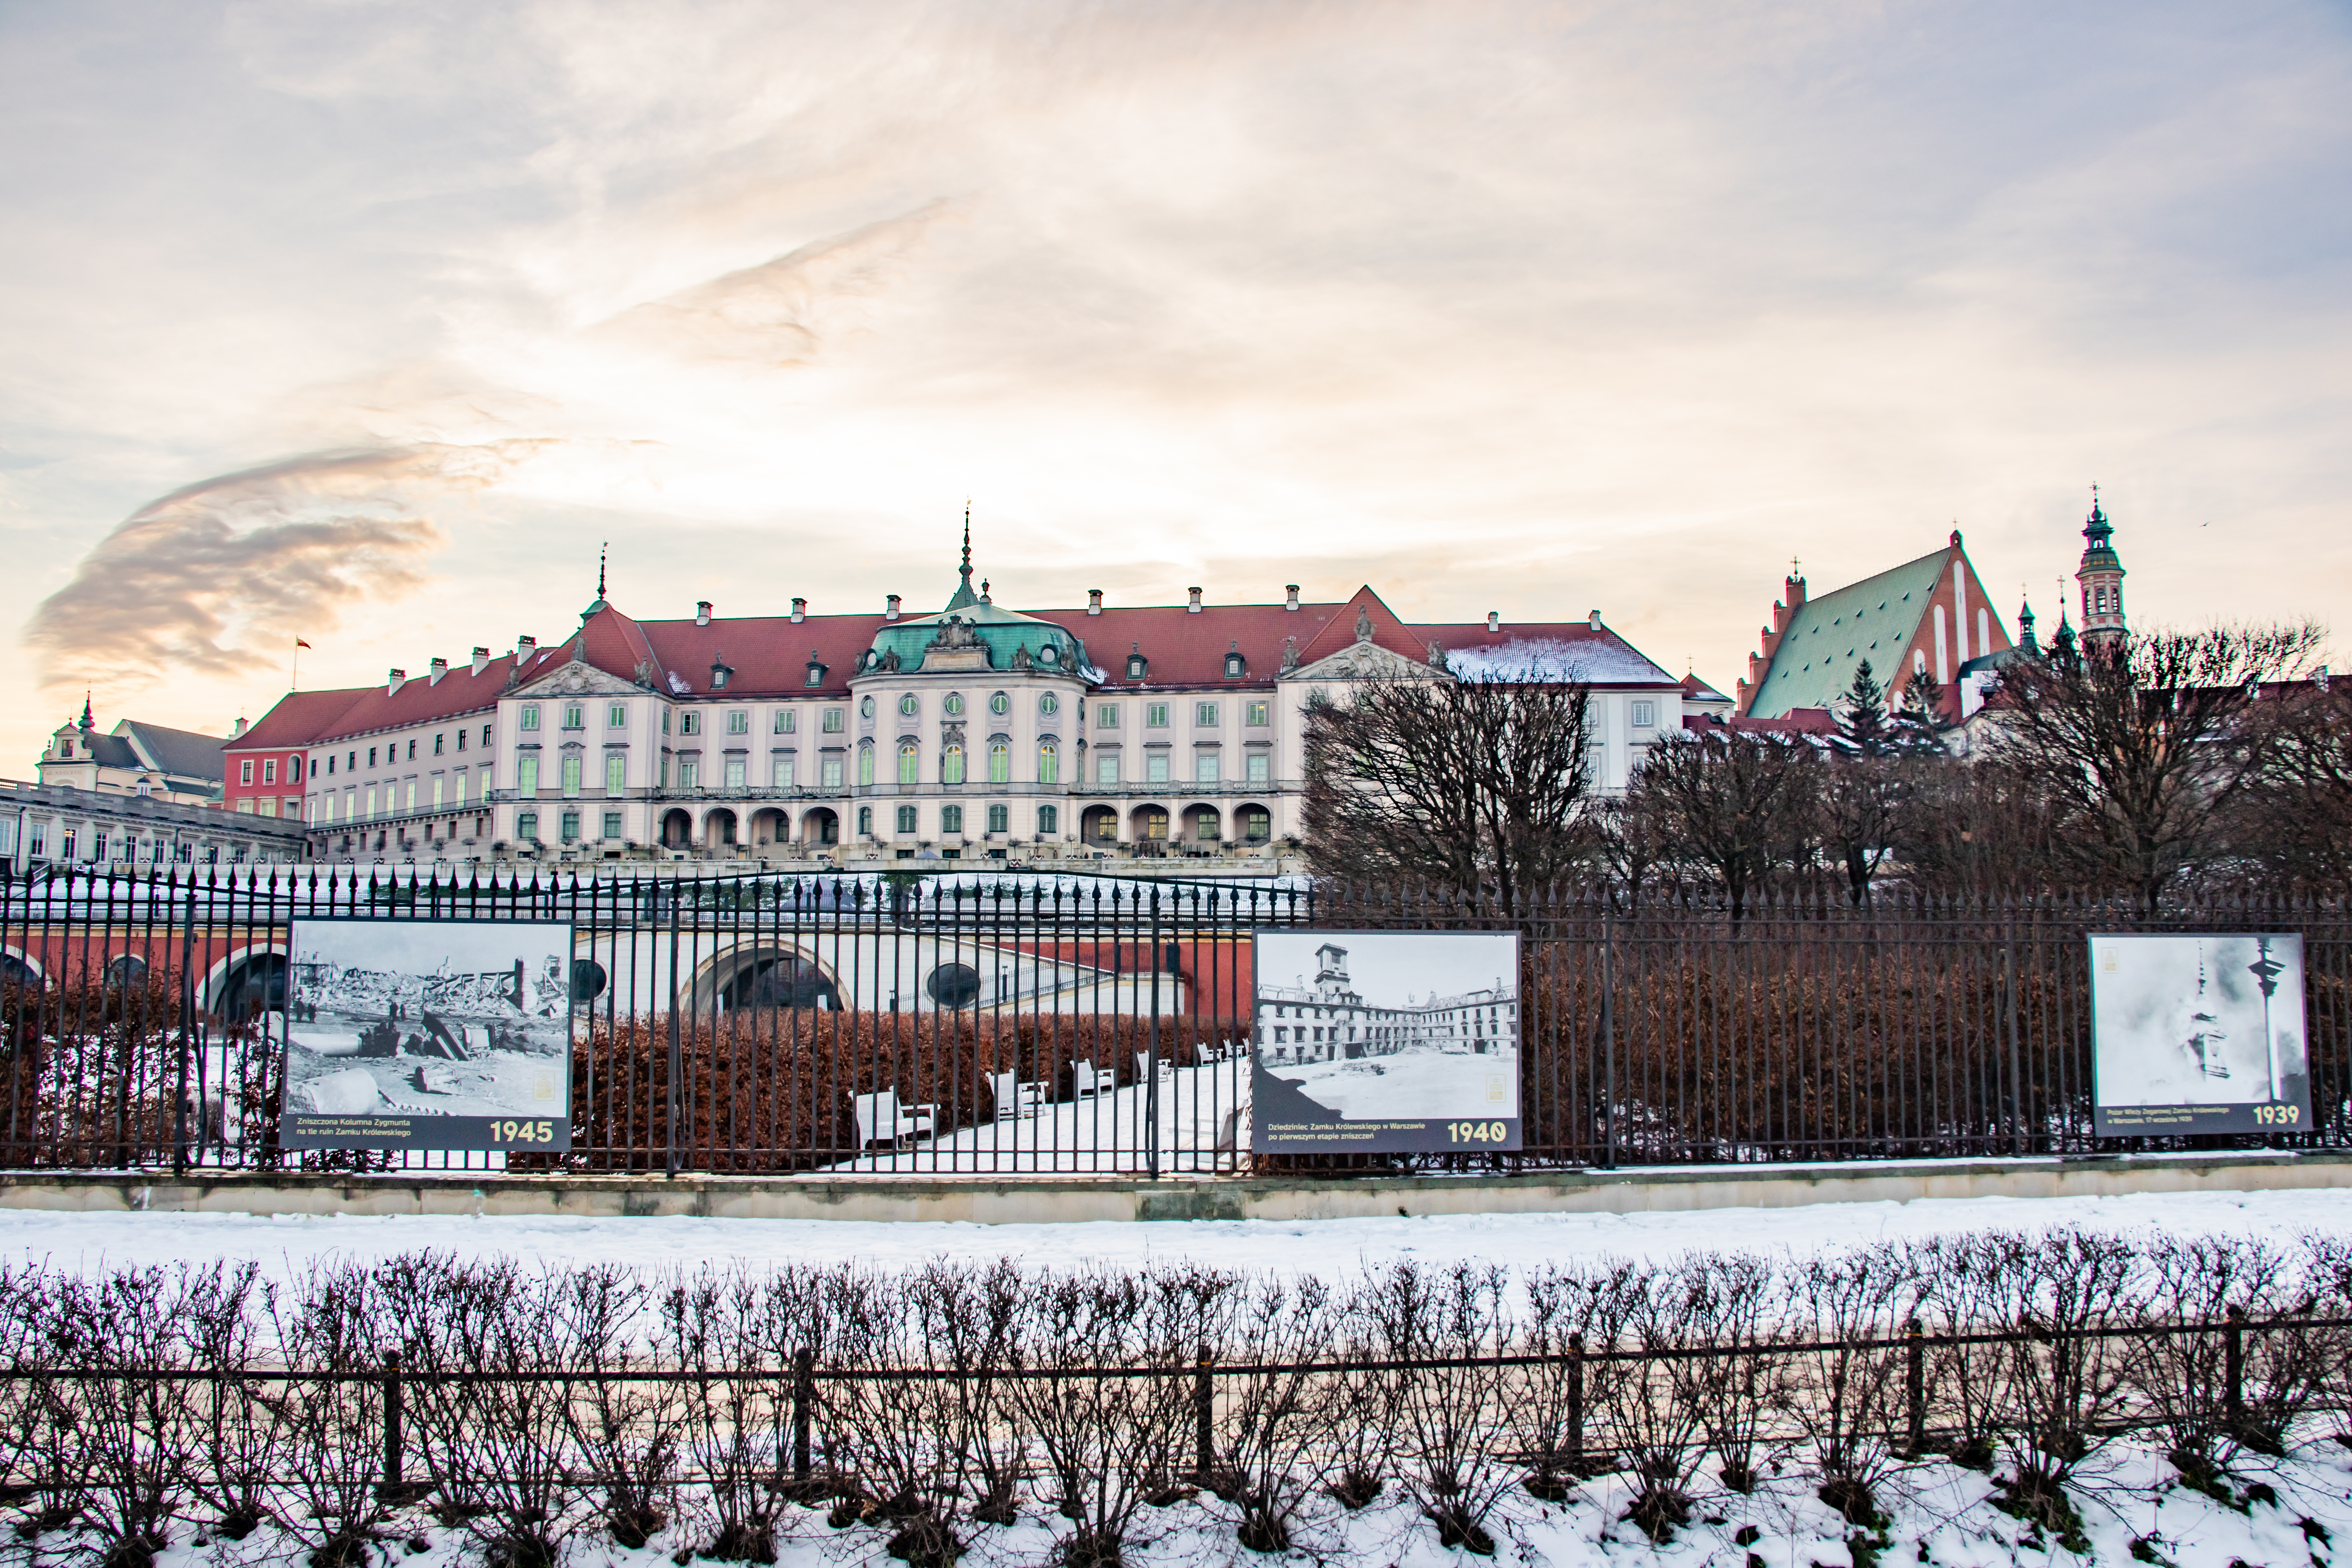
1862 722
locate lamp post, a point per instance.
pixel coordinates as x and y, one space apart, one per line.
2266 971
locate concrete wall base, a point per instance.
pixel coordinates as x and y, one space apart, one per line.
1062 1200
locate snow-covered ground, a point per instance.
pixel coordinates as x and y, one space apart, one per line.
1328 1247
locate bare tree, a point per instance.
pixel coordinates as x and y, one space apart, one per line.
1739 803
2304 818
1478 784
2150 749
1978 826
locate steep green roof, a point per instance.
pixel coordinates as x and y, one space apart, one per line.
1873 620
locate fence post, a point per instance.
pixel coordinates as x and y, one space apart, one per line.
1151 1087
1205 1409
803 1408
1914 1388
1608 1040
2233 1366
2020 1138
1576 1402
392 1440
676 1054
187 1028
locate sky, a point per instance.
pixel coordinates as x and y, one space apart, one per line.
371 323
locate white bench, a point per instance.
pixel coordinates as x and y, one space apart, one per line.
1013 1096
1086 1078
880 1117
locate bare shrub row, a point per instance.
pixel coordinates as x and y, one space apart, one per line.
723 1409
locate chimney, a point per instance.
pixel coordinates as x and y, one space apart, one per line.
702 611
1596 620
481 659
524 648
438 668
233 734
399 678
800 610
2321 677
1493 620
1290 601
890 608
1194 608
1094 601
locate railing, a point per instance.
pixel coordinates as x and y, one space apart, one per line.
733 1023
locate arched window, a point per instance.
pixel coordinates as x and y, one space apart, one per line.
865 817
909 762
1049 762
866 763
950 763
1000 762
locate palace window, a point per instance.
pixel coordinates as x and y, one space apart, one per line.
616 716
908 705
950 819
951 764
1645 715
457 790
689 722
1000 819
1207 828
866 763
865 822
780 772
910 763
906 819
1000 762
833 723
829 771
1106 767
1205 767
1204 715
616 772
735 773
739 722
1137 666
612 824
1234 667
436 744
412 749
526 779
461 746
576 716
1049 705
529 722
244 771
1049 821
785 721
866 707
571 776
999 704
1258 767
269 770
1155 767
1105 715
953 706
690 772
1049 763
570 825
437 783
526 824
1155 715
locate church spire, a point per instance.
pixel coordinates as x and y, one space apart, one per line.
964 596
2101 576
87 722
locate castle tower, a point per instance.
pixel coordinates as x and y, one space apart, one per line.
2102 577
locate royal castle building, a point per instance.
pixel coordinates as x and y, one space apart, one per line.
977 732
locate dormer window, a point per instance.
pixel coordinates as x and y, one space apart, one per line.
718 677
1236 666
1136 663
815 676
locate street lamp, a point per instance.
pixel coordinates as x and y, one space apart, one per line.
2266 971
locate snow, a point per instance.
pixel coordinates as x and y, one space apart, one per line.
1332 1248
1598 661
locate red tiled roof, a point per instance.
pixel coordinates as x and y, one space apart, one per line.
297 719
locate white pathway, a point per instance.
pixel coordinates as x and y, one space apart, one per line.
1102 1134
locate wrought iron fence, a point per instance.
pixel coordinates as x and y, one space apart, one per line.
999 1025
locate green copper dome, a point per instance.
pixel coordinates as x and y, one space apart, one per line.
1009 639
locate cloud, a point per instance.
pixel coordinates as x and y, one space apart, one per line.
776 314
216 578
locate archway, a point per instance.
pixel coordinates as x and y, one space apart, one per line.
1252 824
762 975
248 982
1149 824
821 827
718 829
769 825
15 969
1100 826
676 830
1203 825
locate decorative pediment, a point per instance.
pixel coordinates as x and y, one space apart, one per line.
577 678
1365 661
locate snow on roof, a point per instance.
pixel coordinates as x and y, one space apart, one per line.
1599 661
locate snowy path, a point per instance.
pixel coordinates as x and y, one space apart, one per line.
1329 1248
1096 1135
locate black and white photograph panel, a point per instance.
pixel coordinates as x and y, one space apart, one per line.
432 1033
1373 1041
2199 1033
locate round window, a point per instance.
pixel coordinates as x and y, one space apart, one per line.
1047 655
953 705
866 707
1049 703
907 705
1000 703
588 980
953 984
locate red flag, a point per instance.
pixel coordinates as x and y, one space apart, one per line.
300 642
